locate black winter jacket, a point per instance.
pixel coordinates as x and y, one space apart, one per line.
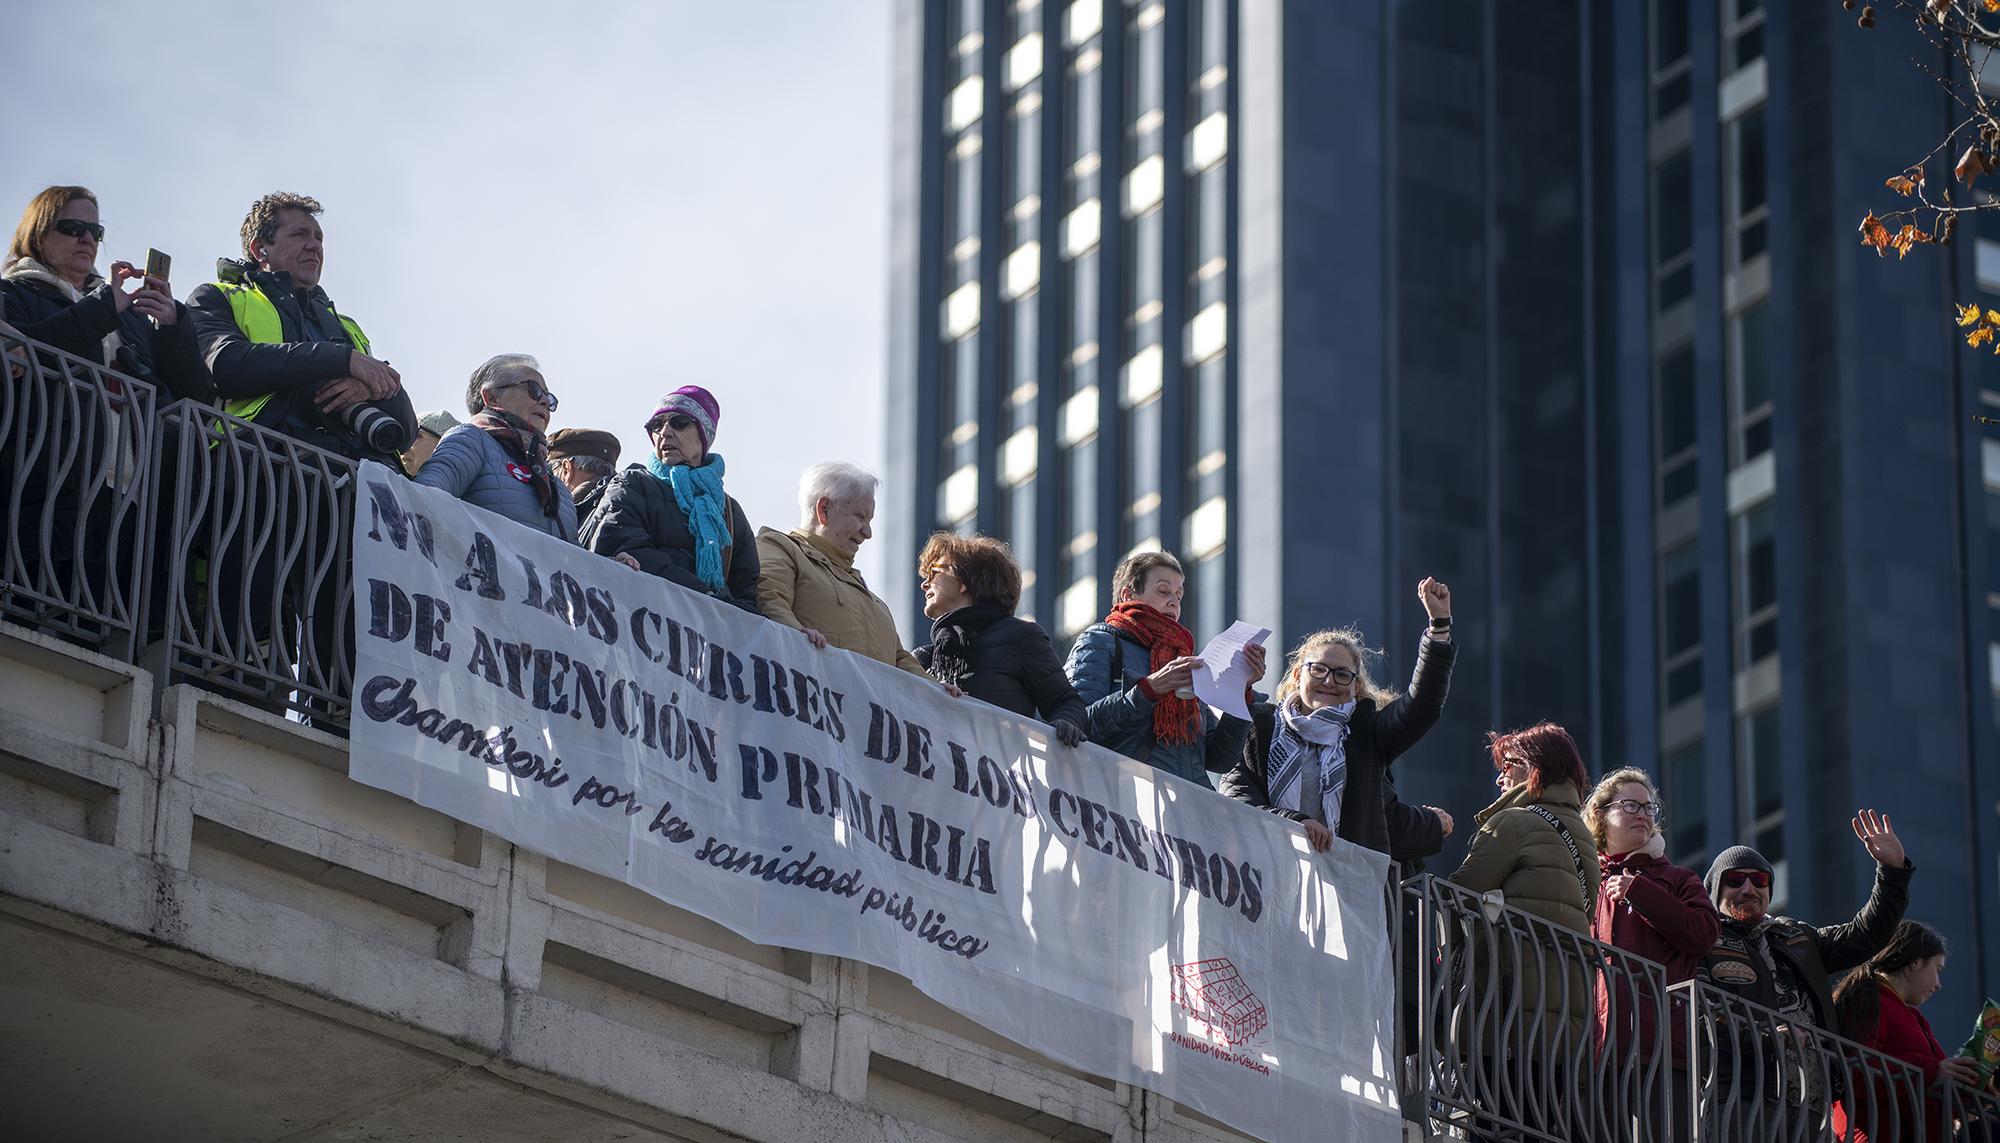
292 370
1374 739
639 515
588 500
1415 833
1015 668
165 357
1814 954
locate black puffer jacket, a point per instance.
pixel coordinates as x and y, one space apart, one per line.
291 370
1015 668
1374 738
165 358
640 516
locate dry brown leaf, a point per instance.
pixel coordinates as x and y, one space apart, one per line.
1971 165
1874 234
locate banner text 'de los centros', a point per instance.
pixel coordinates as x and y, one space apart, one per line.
1109 916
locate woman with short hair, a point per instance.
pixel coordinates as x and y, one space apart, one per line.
971 587
1318 755
806 577
499 460
1135 672
670 516
1533 847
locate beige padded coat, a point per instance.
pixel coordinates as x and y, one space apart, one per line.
803 581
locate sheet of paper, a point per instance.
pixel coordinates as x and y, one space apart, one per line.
1220 678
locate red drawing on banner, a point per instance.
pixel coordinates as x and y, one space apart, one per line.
1213 992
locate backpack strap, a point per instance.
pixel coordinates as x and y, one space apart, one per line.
1575 854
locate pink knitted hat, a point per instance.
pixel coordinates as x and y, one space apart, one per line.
694 402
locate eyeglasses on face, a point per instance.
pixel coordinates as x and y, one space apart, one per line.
536 392
1321 672
1633 808
77 228
1734 878
936 572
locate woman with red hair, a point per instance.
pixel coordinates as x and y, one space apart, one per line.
1534 847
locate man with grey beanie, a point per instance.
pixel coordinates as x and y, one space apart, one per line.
1782 963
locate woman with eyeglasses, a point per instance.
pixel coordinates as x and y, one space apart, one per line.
1649 906
670 516
499 460
1318 755
54 294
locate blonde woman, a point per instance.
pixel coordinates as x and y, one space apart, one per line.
1318 754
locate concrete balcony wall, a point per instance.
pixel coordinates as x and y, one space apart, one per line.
210 932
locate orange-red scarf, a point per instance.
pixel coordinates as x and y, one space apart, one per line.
1176 720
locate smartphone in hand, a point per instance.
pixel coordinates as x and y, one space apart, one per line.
158 264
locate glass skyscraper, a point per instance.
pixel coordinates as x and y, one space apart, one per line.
1561 303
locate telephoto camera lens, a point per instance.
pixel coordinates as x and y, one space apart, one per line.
377 429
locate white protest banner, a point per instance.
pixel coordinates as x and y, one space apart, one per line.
1109 916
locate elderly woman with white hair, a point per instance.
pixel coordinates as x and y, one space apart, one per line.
499 460
806 577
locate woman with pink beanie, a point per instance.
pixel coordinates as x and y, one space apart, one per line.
670 515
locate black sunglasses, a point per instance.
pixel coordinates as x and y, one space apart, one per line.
77 228
1734 877
536 392
678 422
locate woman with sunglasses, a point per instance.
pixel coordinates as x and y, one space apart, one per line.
1318 754
670 516
54 294
1649 906
499 460
1532 846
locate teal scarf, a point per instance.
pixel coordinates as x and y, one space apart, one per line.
699 493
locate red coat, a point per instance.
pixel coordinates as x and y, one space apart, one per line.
1662 914
1902 1033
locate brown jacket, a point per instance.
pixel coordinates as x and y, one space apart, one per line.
804 582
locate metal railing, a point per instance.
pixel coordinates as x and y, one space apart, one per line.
1499 1011
1757 1074
76 458
261 602
1506 1024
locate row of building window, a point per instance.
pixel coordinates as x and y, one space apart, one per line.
1080 231
1688 759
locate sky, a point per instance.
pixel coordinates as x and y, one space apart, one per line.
641 195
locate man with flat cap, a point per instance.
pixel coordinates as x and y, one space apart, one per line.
584 459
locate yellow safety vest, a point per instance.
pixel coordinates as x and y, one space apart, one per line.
257 316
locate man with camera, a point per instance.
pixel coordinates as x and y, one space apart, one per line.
282 356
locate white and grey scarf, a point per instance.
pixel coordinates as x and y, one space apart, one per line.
1309 756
